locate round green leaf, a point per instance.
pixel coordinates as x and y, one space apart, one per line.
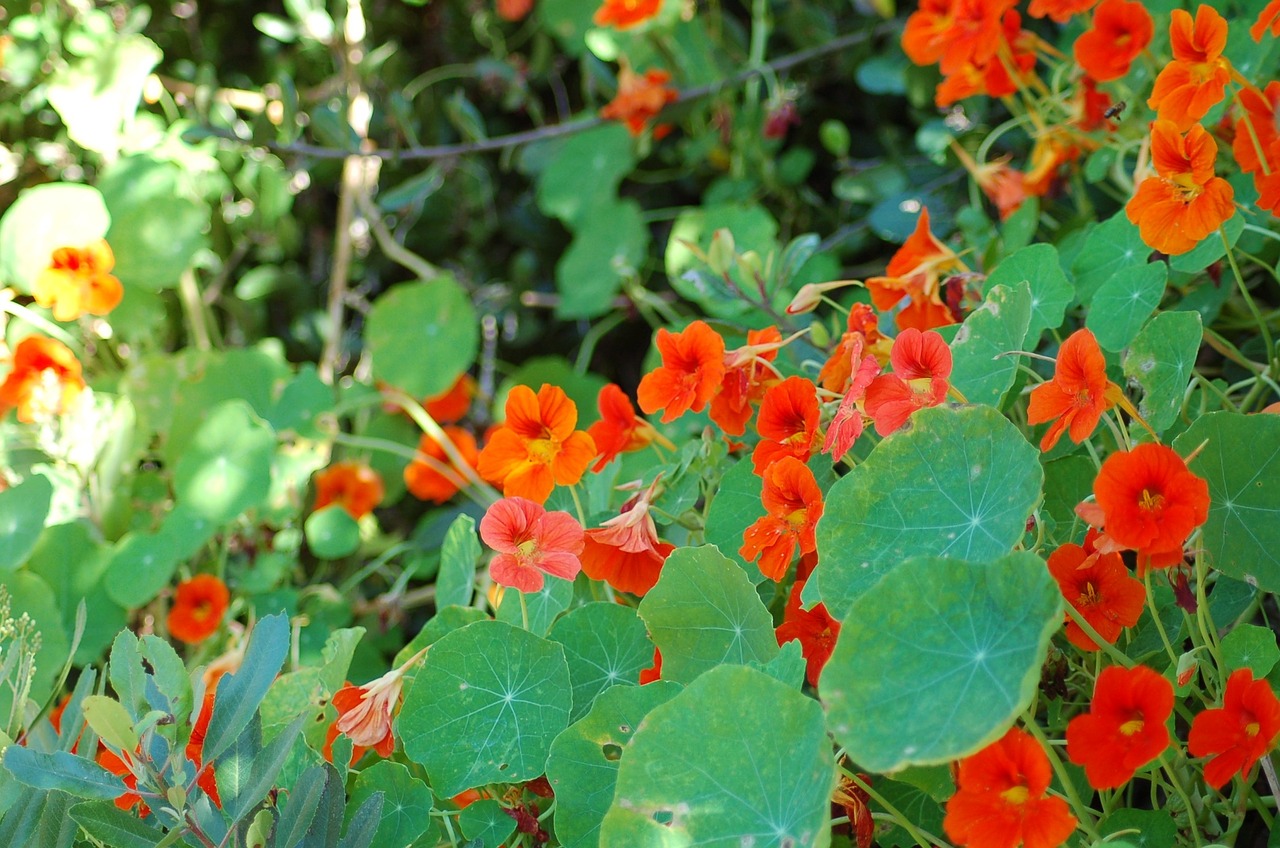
1124 302
610 246
585 173
704 612
156 241
23 510
486 821
936 659
1109 248
959 483
736 507
43 219
605 645
983 372
331 532
74 564
1252 647
422 322
227 466
1162 359
485 707
140 566
1040 268
406 808
737 758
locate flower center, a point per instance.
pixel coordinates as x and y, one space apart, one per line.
1089 596
1017 795
1132 726
527 550
201 611
1186 187
1150 501
797 518
1252 728
543 451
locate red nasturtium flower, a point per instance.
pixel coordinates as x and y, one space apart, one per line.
921 369
787 423
793 504
530 541
1078 394
1268 19
747 376
1121 31
623 14
954 32
198 607
1059 11
537 448
365 712
1124 728
640 99
1184 202
353 485
1257 142
624 551
78 281
653 672
1240 732
453 403
195 747
815 628
1196 79
691 371
1004 185
425 477
44 379
619 429
1150 502
1000 798
915 272
1100 588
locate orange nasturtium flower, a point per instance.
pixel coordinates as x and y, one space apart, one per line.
691 371
1059 11
1268 19
453 403
1150 502
365 712
1240 732
639 99
195 747
1078 394
793 504
1121 31
815 628
537 447
619 429
954 33
1184 202
530 542
1124 728
623 14
1017 53
44 379
1196 79
354 485
1100 588
787 423
426 477
920 378
1257 142
513 10
915 272
747 376
625 551
1000 799
198 607
78 281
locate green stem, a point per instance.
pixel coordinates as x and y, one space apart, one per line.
1105 646
901 819
1155 616
1083 813
1257 389
1182 794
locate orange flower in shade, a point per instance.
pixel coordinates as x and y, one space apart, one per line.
1121 30
1268 19
1240 732
1100 588
1003 185
1078 394
44 379
787 423
354 485
431 476
623 14
198 607
653 672
815 628
625 551
195 748
793 505
365 712
530 541
639 99
691 372
921 368
863 331
915 272
619 429
848 423
453 403
1060 11
1124 728
1000 798
1257 142
747 376
1196 79
537 448
1150 502
1185 202
78 281
954 33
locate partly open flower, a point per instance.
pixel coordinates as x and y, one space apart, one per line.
365 712
530 542
1196 79
1078 394
537 448
198 607
787 423
815 628
622 14
1124 728
793 504
78 281
921 370
625 551
747 376
1185 201
1121 31
1053 149
354 485
1100 588
1268 19
1240 732
639 99
691 371
619 429
431 476
915 273
1150 502
1000 799
44 380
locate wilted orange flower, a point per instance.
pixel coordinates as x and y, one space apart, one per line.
1257 142
747 376
1052 150
623 14
431 476
1078 394
639 99
691 371
1150 501
793 504
1240 732
198 607
1000 799
815 628
1124 728
44 379
354 485
1121 31
1060 11
454 402
365 712
1185 202
921 370
625 551
954 32
530 542
915 272
847 424
864 331
78 281
1268 19
619 429
537 448
1100 588
787 423
1196 79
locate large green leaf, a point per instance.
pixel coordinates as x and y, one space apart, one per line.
23 510
605 645
1109 248
735 507
157 221
407 804
984 370
936 659
43 219
227 466
609 247
1241 462
74 564
1162 359
1051 292
485 707
422 322
585 173
489 822
1124 302
737 758
704 612
583 765
455 582
959 483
